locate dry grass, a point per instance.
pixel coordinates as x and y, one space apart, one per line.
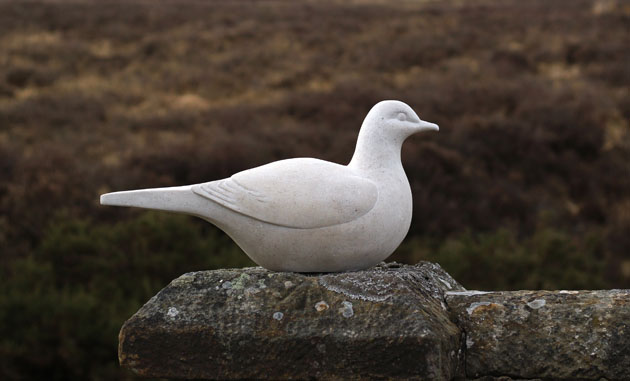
532 97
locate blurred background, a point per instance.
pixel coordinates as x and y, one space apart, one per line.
526 186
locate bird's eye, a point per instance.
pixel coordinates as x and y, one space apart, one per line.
401 116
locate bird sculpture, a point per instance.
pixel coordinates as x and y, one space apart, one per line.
304 214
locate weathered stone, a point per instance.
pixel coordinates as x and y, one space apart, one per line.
556 335
386 322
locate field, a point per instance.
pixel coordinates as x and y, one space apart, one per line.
527 184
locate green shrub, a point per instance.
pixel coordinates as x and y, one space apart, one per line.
61 308
549 259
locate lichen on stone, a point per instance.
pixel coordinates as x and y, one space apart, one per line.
346 309
474 306
172 312
321 306
536 304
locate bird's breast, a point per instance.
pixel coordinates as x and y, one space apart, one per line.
394 198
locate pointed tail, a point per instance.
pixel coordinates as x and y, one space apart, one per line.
175 199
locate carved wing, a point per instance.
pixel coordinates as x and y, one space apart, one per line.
296 193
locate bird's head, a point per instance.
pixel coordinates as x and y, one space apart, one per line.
396 119
383 132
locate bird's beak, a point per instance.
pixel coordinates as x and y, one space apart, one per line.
423 126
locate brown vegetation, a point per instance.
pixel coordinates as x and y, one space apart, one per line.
526 185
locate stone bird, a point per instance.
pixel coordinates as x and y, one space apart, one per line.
304 214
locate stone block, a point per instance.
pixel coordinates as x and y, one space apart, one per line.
386 322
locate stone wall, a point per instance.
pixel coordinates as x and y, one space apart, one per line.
391 321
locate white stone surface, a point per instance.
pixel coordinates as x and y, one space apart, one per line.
309 215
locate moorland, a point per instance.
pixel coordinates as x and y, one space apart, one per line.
527 184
